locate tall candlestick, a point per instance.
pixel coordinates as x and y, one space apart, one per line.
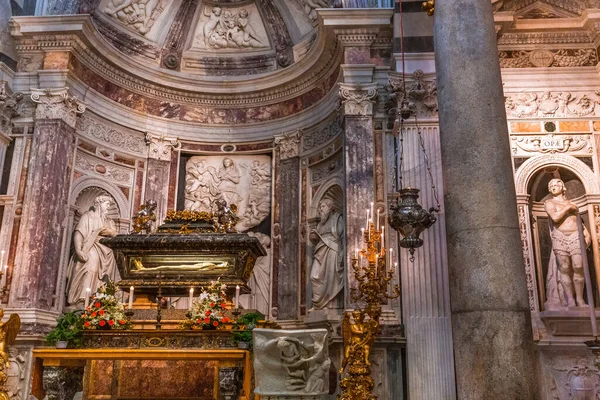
87 298
191 298
237 296
130 298
377 218
391 256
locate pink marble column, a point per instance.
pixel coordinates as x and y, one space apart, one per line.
34 277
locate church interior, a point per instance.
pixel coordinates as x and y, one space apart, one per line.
299 199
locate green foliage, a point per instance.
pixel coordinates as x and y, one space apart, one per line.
69 328
244 326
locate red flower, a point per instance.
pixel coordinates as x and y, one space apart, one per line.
97 304
216 323
111 322
86 323
102 322
122 322
207 313
212 304
225 319
101 312
198 321
94 314
223 305
206 320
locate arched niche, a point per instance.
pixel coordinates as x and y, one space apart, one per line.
92 185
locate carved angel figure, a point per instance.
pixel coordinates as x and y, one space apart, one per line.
140 14
226 29
358 338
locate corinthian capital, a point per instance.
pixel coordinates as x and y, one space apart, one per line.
160 147
288 145
8 108
57 104
358 98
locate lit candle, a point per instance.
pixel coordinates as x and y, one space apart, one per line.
356 253
130 297
382 237
369 228
395 266
391 255
237 297
191 297
3 284
87 298
2 257
377 218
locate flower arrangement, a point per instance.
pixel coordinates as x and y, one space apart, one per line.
207 312
105 310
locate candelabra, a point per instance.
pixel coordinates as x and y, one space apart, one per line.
372 284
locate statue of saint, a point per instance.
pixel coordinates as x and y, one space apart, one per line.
91 260
327 271
567 256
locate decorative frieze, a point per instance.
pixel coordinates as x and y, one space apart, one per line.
57 104
552 104
160 147
323 135
551 143
288 145
114 138
90 164
358 99
548 58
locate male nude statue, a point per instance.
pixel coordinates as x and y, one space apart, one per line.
565 242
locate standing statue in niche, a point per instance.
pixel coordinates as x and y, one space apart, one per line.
91 260
327 271
229 178
565 272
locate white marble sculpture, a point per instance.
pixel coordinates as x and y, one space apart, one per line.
309 7
565 270
91 260
234 28
260 281
291 363
327 270
241 180
137 14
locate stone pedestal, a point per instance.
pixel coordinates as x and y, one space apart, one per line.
291 364
494 353
45 203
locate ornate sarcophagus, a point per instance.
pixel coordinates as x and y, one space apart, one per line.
176 262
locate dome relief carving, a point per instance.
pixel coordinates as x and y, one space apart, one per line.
226 37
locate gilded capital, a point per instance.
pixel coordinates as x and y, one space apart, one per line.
57 104
358 98
288 145
160 147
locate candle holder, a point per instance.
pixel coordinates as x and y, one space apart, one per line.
373 283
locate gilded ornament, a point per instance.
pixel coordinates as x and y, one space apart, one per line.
142 222
8 334
429 7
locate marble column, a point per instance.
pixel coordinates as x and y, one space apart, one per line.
286 269
493 348
44 212
357 100
158 172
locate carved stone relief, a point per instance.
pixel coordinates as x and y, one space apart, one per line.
523 215
324 134
140 15
289 363
358 99
548 58
572 377
8 108
324 170
526 145
421 92
551 104
160 148
116 139
57 104
309 7
241 180
288 145
30 62
230 28
16 372
117 174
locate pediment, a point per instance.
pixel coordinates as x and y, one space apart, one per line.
542 9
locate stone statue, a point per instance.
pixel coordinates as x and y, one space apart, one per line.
139 14
229 178
226 28
260 280
327 271
566 261
91 260
309 7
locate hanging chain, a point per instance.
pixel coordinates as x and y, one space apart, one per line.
400 154
428 165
